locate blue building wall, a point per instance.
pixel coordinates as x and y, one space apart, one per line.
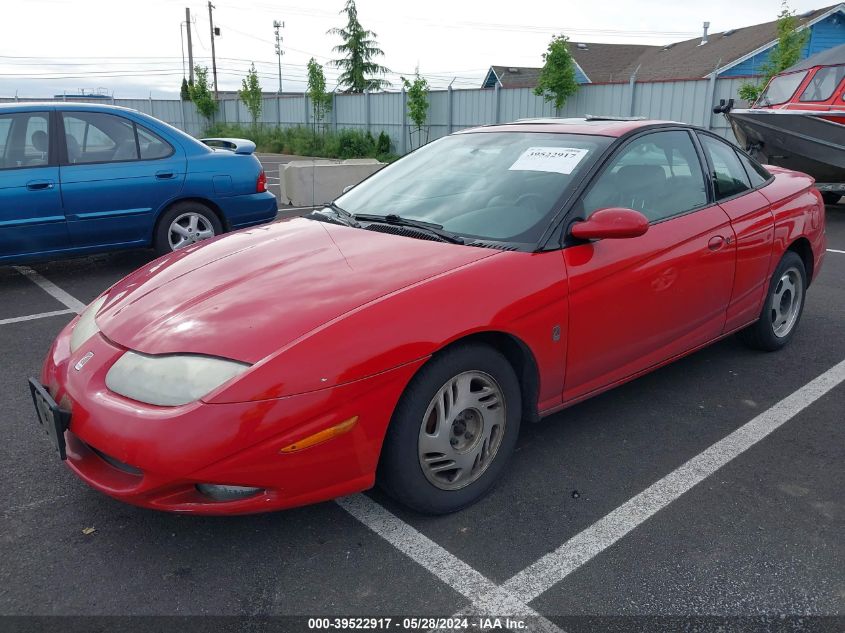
580 77
826 34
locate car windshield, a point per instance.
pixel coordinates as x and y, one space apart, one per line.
498 186
781 88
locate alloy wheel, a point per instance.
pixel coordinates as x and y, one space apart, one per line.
462 430
189 228
786 302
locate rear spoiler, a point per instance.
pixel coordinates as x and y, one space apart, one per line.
236 145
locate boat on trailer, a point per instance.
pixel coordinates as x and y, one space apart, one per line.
798 121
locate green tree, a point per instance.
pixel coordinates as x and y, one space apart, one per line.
557 77
786 53
201 93
185 91
359 48
321 101
417 105
251 95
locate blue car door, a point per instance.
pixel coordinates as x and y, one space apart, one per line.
31 218
115 176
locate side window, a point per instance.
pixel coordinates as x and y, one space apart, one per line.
94 137
5 134
729 177
755 170
24 140
152 145
823 83
658 174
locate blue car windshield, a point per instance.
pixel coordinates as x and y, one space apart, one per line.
498 186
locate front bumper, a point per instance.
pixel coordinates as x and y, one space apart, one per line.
155 456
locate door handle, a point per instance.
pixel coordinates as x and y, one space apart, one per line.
38 185
164 175
716 242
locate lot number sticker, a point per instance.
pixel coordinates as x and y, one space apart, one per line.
561 160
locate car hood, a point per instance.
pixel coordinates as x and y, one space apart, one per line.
246 295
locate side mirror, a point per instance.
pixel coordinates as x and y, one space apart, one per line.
614 222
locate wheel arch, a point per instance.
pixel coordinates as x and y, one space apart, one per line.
520 357
804 250
203 201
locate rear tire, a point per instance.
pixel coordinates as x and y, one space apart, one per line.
453 431
184 224
831 198
782 307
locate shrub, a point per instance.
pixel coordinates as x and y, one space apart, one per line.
304 141
383 143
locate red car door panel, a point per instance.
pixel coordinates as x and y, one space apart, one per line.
637 302
751 218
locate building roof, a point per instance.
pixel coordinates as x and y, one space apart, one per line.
690 59
605 63
511 77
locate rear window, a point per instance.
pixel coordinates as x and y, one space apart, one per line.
781 88
823 83
152 145
756 172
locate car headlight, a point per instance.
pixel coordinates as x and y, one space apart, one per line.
172 379
86 327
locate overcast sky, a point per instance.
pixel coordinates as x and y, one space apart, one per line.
133 49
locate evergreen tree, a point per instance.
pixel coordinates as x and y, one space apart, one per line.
359 48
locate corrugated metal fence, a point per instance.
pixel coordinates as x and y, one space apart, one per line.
686 101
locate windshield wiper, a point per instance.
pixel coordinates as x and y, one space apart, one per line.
398 220
340 216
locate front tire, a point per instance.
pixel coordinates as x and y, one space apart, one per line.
782 307
184 224
453 431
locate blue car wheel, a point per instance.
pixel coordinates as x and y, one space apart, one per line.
183 224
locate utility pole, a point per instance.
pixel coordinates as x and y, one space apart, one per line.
277 26
190 46
213 57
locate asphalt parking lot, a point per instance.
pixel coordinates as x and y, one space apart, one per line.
708 492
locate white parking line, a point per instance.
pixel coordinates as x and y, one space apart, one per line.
833 250
486 597
52 289
31 317
552 568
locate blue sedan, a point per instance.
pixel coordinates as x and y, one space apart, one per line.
82 178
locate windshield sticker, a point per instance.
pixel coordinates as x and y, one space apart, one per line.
561 160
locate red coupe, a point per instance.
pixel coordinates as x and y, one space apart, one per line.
401 335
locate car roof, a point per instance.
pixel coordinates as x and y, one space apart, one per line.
28 106
596 125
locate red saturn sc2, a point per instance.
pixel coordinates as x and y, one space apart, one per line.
401 335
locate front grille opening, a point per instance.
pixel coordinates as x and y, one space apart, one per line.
116 462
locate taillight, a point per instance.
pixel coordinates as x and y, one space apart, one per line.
261 183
